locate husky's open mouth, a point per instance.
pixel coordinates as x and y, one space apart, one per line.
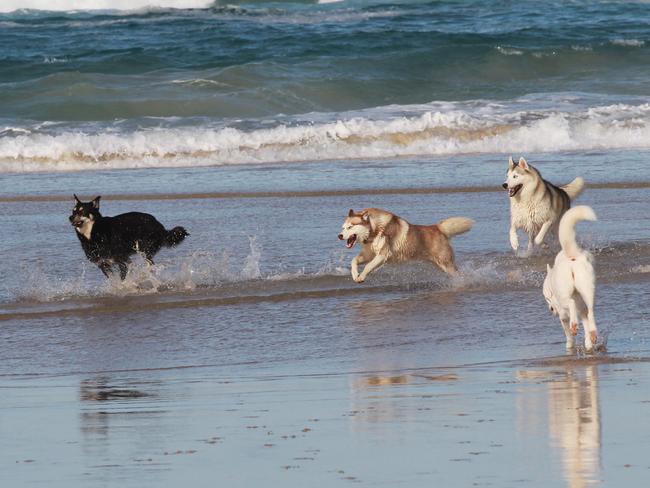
77 223
514 190
351 241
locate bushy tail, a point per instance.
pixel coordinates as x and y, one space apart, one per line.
574 189
567 232
455 225
175 236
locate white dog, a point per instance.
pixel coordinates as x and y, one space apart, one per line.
570 285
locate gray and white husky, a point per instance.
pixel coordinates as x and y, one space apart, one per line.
536 205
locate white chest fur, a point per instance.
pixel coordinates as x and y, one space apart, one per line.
86 228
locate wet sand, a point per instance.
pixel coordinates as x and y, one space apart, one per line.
553 422
304 194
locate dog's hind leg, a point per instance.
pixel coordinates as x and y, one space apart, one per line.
447 265
105 267
444 258
570 340
124 268
587 293
573 316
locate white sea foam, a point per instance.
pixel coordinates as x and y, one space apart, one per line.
579 48
54 60
443 129
628 42
508 51
72 5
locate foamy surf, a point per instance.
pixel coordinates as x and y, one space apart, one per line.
76 5
391 132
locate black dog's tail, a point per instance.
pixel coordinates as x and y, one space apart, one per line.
175 236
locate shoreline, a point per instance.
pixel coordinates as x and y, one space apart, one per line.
307 193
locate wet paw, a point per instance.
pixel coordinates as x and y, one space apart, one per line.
359 279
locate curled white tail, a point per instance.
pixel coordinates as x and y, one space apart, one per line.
567 232
455 225
574 189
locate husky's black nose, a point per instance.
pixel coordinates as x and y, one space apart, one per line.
340 237
505 186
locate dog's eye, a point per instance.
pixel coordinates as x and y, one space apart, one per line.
514 176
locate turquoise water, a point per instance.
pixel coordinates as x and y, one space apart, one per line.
255 82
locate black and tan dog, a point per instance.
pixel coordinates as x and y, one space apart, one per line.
111 241
388 238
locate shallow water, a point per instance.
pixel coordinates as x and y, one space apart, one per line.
251 342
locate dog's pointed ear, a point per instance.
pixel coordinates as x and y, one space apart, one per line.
95 202
76 198
511 163
365 217
523 164
350 213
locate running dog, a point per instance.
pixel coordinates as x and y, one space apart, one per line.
111 241
570 285
386 238
536 205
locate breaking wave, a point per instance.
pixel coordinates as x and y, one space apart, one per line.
73 5
390 132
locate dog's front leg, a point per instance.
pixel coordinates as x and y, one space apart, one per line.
354 267
514 239
375 263
542 232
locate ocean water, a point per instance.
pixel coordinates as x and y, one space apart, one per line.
247 356
90 86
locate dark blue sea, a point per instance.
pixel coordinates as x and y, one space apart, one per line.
236 82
